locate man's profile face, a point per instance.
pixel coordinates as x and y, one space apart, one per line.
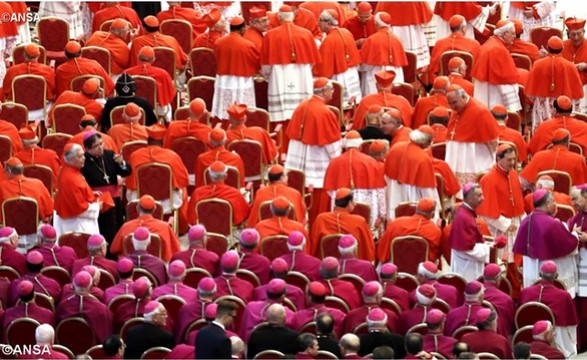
576 36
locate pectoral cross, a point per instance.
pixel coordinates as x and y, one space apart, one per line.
452 134
106 178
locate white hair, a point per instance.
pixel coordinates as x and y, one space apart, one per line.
376 323
285 16
44 334
419 137
502 30
475 297
141 245
72 152
380 22
423 300
149 316
545 183
237 345
7 238
298 247
349 250
326 15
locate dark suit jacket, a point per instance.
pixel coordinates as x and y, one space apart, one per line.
371 340
271 337
213 343
329 343
146 336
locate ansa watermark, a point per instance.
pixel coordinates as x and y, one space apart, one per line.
18 350
19 17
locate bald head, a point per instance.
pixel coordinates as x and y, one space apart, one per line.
276 315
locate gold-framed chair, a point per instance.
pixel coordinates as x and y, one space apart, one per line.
201 87
203 62
31 91
56 142
329 246
165 58
101 55
116 116
146 88
564 212
53 34
539 35
155 247
181 30
522 61
5 148
447 55
18 54
40 172
216 215
77 83
417 247
161 189
66 118
21 213
562 180
273 246
251 152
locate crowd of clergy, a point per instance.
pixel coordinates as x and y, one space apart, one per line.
417 188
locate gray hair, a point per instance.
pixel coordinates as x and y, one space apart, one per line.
44 334
72 153
327 16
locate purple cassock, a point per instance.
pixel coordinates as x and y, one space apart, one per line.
301 262
182 351
231 285
302 317
543 228
505 307
97 261
362 268
440 344
558 300
304 356
4 291
124 287
412 317
489 341
94 312
444 292
397 294
27 310
188 313
55 255
42 284
12 258
198 257
144 260
293 293
359 315
463 315
256 313
94 291
53 354
543 348
256 263
175 287
344 290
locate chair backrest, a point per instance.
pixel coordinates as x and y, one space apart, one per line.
406 281
100 54
514 121
329 245
203 62
132 212
530 312
298 279
165 59
138 272
454 279
463 330
261 93
248 276
14 113
564 212
77 83
75 334
129 324
539 35
337 100
96 352
53 33
357 281
194 326
154 248
188 148
447 55
5 148
240 307
363 210
56 142
217 243
274 246
407 208
181 30
116 116
421 328
391 305
309 327
337 303
18 55
251 152
562 180
537 357
216 215
30 90
438 150
45 301
441 305
522 61
233 177
146 88
194 275
21 213
201 87
411 70
258 117
58 274
487 355
106 280
405 90
76 240
155 353
417 247
270 354
9 272
437 355
172 304
66 118
40 172
119 300
130 147
159 190
523 334
21 332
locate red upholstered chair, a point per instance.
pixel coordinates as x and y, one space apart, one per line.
75 334
188 148
21 213
183 113
357 281
193 276
201 87
362 328
9 273
487 356
139 272
562 180
217 243
539 35
329 245
363 210
261 93
416 246
96 352
514 121
251 152
66 118
248 276
454 279
405 90
564 212
64 350
203 62
129 324
463 330
53 34
233 177
269 354
194 326
274 246
337 303
58 274
14 113
323 354
132 146
119 300
146 88
407 281
309 328
30 91
447 55
156 353
419 328
76 240
133 213
181 30
155 247
100 54
5 148
56 142
405 209
77 83
523 334
216 215
240 307
165 59
156 179
21 332
411 70
441 305
522 61
297 180
390 304
18 54
44 300
298 279
258 117
106 280
40 172
172 304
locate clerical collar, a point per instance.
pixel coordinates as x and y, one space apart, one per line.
469 206
218 324
502 169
